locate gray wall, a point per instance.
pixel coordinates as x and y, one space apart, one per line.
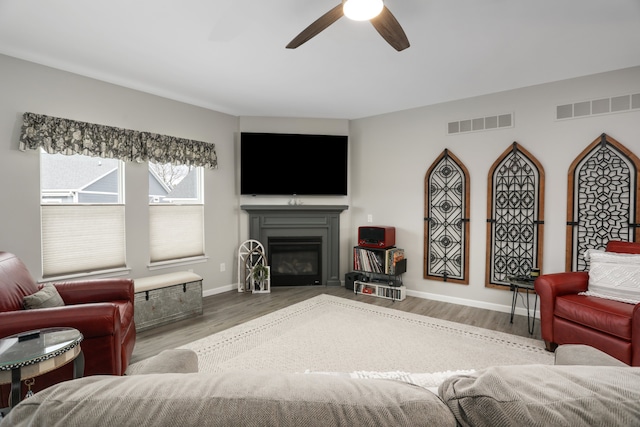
26 86
390 155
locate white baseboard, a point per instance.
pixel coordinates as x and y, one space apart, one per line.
221 289
522 311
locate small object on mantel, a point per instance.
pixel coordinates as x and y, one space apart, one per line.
294 201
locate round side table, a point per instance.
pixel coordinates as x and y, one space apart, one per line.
29 354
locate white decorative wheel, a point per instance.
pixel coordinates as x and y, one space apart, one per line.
250 253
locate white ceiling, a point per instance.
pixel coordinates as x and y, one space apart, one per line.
230 56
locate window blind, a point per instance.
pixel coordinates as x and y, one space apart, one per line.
82 238
176 231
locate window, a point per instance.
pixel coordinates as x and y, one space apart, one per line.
176 212
82 199
82 214
515 216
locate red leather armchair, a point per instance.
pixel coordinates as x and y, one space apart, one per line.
569 318
102 310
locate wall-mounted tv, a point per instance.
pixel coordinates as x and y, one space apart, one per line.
288 164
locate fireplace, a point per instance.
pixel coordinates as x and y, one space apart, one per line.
319 223
295 260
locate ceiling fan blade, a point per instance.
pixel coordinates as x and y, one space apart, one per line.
316 27
390 29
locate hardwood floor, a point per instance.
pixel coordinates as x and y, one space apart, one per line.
232 308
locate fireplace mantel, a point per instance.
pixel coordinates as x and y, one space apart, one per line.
289 208
298 221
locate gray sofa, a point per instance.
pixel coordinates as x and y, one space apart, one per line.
584 387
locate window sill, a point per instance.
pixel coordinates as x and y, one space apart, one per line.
177 262
100 274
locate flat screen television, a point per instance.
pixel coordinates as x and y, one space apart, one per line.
293 164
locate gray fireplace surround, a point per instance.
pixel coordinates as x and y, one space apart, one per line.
301 221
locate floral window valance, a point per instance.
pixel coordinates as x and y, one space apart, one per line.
57 135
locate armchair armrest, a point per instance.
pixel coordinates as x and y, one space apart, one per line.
635 334
550 286
96 290
562 283
93 320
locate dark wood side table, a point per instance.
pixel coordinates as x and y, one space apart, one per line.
29 354
526 284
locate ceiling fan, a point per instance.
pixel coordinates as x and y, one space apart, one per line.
373 10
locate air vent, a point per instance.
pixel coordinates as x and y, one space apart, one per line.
615 104
481 124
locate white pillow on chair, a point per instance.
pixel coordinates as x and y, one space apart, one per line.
614 276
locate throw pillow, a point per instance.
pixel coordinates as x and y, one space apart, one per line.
541 395
46 297
614 276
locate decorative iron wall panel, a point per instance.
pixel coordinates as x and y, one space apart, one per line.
515 216
446 254
603 187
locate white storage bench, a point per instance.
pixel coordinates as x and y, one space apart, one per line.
166 298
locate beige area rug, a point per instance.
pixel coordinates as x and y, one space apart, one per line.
332 334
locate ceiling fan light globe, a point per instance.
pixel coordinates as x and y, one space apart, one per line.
362 10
